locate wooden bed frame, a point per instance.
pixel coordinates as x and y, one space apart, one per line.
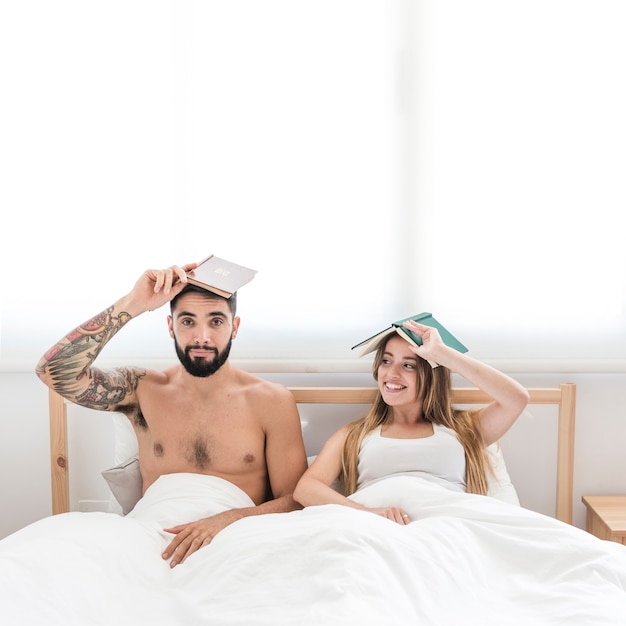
564 396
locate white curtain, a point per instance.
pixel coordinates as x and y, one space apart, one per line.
371 159
519 154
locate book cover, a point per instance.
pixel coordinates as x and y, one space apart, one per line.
220 276
371 343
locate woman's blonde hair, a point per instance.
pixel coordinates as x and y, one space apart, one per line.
437 408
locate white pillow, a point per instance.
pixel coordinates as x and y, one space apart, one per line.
500 485
126 445
124 479
125 482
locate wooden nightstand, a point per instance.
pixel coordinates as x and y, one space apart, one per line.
606 517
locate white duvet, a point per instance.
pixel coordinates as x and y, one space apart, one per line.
463 560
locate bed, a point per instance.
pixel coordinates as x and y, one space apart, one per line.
463 559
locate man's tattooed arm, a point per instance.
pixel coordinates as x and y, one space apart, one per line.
67 366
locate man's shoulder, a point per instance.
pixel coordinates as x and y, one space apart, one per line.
162 377
262 387
152 380
254 381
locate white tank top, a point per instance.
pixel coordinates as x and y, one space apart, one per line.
439 458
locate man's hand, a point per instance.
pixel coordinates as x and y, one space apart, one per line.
194 535
156 287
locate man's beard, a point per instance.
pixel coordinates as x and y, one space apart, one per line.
202 368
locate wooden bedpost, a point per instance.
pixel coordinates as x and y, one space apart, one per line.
58 454
565 459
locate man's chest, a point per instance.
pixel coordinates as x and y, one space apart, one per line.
204 440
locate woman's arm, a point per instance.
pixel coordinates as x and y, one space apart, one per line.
314 488
509 397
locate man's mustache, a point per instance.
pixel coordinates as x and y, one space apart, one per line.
197 348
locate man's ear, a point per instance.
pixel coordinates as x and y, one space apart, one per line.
170 326
236 321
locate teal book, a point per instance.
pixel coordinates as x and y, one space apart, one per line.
370 344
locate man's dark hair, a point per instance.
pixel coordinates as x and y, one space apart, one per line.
189 288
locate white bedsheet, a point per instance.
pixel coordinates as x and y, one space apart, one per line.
464 560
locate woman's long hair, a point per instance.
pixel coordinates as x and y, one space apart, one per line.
437 408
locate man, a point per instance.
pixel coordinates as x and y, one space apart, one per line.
203 416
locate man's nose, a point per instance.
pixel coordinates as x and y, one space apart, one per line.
202 336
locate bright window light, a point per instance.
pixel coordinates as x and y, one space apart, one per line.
370 158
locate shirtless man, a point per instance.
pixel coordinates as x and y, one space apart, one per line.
203 416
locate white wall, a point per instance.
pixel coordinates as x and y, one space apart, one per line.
600 462
344 119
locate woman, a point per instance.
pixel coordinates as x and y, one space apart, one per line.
412 428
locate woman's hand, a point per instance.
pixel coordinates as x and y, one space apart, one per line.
394 513
432 343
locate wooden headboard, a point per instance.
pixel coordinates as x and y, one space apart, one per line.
564 396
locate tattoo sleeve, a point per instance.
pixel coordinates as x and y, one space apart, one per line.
68 364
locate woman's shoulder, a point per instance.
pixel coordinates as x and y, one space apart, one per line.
441 428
